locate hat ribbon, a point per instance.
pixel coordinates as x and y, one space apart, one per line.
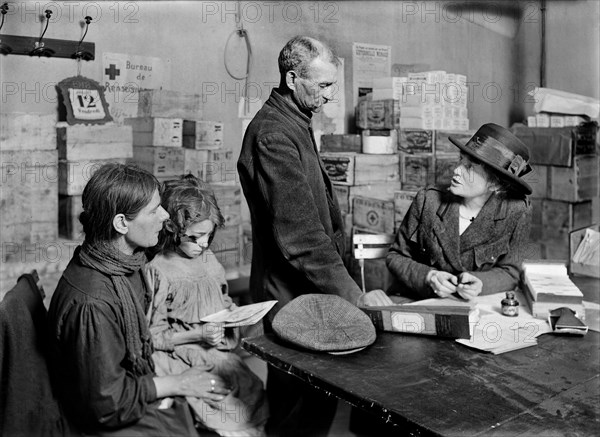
492 151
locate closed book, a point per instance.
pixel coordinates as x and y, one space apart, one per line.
548 281
541 310
443 321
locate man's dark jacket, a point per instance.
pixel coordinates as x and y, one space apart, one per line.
297 228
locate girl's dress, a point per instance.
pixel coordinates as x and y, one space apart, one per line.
185 290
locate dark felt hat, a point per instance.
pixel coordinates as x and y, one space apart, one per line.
324 322
499 149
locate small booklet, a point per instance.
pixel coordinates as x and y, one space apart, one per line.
241 316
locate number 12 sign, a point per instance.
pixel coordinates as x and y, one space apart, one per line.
84 101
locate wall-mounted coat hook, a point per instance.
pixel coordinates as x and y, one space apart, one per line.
5 49
84 54
40 48
61 48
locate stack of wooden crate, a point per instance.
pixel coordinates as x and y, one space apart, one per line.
364 185
171 138
29 180
29 200
228 242
82 149
564 182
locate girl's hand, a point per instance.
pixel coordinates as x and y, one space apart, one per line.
443 283
228 302
469 286
212 333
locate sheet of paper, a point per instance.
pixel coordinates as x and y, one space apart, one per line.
241 316
497 333
368 62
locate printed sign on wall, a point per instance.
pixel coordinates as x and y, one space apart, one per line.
123 75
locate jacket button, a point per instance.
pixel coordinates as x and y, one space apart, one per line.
493 258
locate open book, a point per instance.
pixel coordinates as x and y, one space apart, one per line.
241 316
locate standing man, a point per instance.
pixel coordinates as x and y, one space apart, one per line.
297 227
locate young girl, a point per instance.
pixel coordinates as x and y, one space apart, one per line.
189 283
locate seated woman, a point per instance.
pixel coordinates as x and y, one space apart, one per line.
470 238
100 345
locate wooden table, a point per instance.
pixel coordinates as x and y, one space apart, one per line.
433 386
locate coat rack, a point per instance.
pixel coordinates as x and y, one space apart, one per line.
47 47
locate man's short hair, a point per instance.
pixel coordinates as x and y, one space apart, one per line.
300 51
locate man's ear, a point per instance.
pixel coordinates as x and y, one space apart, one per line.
120 224
290 79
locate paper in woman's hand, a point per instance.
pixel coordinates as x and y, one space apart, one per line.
241 316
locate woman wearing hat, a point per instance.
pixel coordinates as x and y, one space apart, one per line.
470 238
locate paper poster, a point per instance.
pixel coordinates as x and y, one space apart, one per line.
368 61
123 75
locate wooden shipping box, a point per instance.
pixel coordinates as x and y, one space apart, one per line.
416 140
74 175
69 209
373 214
160 161
229 199
577 183
380 190
360 169
445 164
558 146
166 103
341 143
84 142
220 167
156 131
21 131
402 201
202 134
418 171
538 181
28 201
194 162
378 114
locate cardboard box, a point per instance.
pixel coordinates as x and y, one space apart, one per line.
85 142
166 103
557 146
227 238
202 134
156 131
378 114
377 275
341 143
559 218
22 131
373 214
160 161
360 169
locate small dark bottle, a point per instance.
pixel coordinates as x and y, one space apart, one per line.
510 305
